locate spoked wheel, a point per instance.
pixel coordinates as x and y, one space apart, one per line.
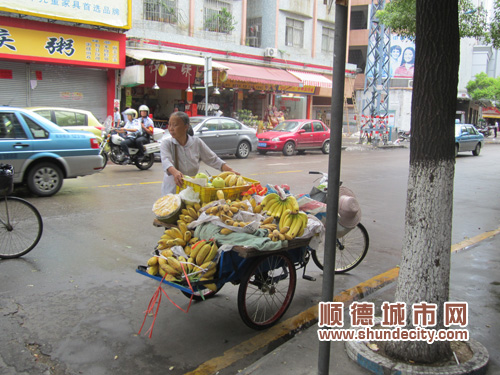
202 294
21 227
266 290
351 249
146 163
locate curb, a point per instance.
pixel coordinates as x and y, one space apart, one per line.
378 364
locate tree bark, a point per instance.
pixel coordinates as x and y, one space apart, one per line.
425 265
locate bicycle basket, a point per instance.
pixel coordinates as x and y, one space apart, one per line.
6 179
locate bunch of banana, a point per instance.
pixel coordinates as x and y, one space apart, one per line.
268 224
275 206
293 224
231 179
190 213
234 223
227 210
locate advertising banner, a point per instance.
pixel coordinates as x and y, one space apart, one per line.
111 13
44 42
402 57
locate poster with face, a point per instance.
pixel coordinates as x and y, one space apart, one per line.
402 57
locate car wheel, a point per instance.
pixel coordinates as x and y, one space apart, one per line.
243 150
289 148
477 150
45 179
326 147
262 152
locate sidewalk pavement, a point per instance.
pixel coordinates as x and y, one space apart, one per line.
475 278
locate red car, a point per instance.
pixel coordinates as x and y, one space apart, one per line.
291 135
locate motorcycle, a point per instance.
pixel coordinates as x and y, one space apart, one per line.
404 136
484 130
111 150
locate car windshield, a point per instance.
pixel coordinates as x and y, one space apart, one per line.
286 126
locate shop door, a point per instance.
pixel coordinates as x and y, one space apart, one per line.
13 84
70 87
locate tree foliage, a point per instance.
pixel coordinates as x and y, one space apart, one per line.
399 15
485 87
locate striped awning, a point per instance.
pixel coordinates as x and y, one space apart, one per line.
260 74
312 79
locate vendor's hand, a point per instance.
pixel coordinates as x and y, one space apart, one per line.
178 178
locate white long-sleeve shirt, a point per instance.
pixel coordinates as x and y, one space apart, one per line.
189 157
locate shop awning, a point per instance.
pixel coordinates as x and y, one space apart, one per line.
260 74
312 79
491 112
171 57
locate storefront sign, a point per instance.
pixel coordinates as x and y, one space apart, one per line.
36 41
307 90
112 13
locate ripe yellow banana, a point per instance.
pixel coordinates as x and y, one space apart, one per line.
177 233
187 236
269 220
153 261
202 254
268 198
220 194
213 252
193 213
182 226
153 270
167 253
283 217
226 231
224 175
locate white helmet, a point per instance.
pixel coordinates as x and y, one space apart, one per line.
144 108
130 111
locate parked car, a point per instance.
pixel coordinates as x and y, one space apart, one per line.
71 119
224 135
42 153
291 135
468 138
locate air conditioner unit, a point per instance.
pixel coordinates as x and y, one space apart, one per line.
410 83
271 52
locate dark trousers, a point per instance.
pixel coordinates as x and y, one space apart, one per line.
127 142
141 141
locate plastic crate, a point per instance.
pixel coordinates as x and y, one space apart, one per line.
6 179
209 194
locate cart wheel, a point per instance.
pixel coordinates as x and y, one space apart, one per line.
206 293
266 290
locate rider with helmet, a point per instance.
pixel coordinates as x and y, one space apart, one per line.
132 130
147 127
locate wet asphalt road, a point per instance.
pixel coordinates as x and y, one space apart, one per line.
74 304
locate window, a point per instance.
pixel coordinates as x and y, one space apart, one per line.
161 11
318 127
65 118
218 17
10 127
307 127
45 113
254 32
327 40
211 125
37 131
229 125
81 119
294 33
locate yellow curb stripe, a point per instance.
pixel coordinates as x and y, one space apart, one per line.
474 240
361 290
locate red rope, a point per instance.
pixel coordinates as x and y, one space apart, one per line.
157 297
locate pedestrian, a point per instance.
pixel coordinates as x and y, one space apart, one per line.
182 153
496 129
117 117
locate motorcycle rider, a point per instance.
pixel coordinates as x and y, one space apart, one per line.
147 126
132 130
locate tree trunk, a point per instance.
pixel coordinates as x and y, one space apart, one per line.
425 265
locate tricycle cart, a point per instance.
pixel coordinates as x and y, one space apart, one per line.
266 279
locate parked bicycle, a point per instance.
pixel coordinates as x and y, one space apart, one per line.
352 243
21 224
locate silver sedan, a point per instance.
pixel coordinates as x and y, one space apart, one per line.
224 135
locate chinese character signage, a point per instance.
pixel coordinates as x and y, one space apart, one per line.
60 44
111 13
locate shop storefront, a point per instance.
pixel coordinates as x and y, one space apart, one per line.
46 64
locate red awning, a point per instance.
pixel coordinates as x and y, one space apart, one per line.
260 74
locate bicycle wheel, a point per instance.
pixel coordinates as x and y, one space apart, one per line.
21 227
266 290
351 249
